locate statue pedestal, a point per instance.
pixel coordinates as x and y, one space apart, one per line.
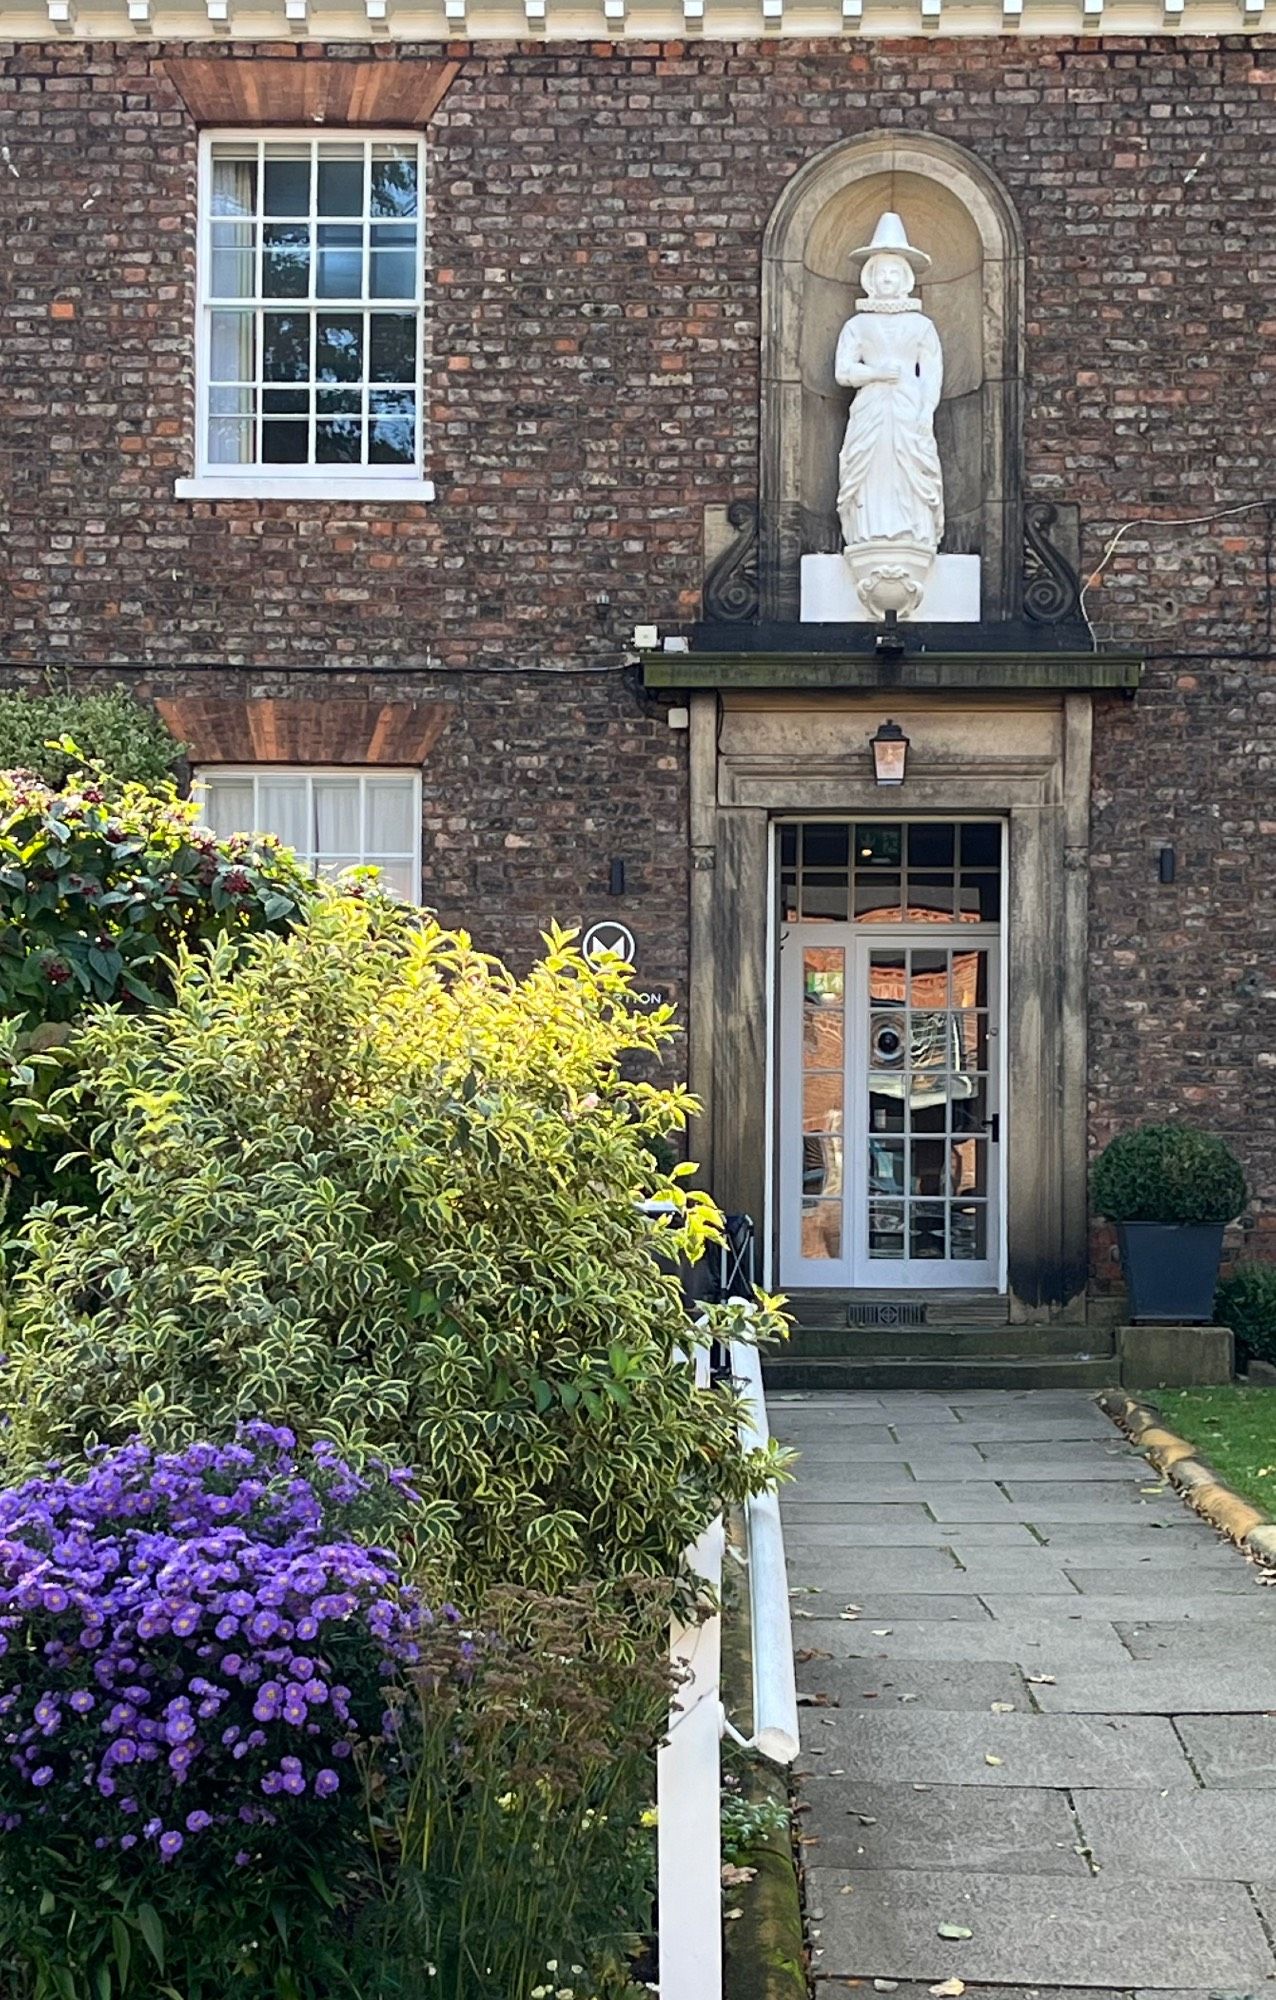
829 596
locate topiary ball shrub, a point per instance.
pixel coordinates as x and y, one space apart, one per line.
192 1663
1247 1303
1168 1173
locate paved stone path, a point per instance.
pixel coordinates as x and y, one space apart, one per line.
1039 1704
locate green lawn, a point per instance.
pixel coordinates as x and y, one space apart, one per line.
1235 1431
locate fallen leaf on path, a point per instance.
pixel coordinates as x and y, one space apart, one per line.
1003 1708
728 1916
850 1617
882 1631
806 1653
990 1759
948 1989
735 1878
955 1931
908 1697
886 1986
1041 1680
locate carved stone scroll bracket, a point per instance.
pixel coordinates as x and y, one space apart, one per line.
1051 562
731 580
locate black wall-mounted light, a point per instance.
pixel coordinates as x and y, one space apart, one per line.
1165 864
890 754
616 879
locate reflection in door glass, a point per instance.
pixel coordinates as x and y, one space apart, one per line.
927 1104
823 1101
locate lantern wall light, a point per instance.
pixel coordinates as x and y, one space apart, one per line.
889 746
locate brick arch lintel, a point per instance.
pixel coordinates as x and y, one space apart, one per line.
230 729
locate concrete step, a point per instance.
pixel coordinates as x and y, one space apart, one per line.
918 1308
1064 1371
956 1343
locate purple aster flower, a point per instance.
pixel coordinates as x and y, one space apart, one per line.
171 1844
42 1777
326 1782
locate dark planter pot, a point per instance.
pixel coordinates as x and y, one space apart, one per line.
1170 1269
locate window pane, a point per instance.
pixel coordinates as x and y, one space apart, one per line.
337 816
393 261
287 181
340 180
390 809
281 810
340 274
285 402
392 434
339 441
285 354
234 272
231 347
339 402
825 846
877 846
393 357
285 266
234 183
399 877
981 844
930 846
394 180
285 441
228 806
338 347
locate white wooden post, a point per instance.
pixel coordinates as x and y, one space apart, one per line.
688 1801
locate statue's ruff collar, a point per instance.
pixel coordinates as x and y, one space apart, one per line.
888 306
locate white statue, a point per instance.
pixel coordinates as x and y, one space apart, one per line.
890 494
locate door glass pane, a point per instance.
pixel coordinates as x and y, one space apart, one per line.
931 844
926 1230
885 1166
886 1238
886 1103
969 1232
822 1230
928 1167
823 1101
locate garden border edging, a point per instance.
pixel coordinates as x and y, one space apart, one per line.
1248 1526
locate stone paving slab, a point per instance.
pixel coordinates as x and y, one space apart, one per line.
1049 1471
876 1605
1032 1929
915 1746
1089 1426
1044 1494
1188 1687
907 1569
1194 1836
1234 1752
1037 1643
950 1826
973 1684
1207 1642
1257 1606
1103 1507
924 1533
856 1572
863 1513
1226 1574
1168 1541
1157 1549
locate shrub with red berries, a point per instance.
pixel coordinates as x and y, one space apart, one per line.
100 883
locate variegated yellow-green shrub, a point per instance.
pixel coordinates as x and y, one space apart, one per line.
362 1180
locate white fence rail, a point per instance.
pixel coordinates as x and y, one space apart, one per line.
688 1768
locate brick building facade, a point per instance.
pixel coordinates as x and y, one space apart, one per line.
594 333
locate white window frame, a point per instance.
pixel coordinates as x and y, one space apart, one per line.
309 482
257 774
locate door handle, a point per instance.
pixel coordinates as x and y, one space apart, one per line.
994 1128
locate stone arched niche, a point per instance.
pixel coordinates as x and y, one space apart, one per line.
956 211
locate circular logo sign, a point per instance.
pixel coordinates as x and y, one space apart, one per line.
609 937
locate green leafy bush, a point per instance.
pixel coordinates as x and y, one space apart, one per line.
1168 1173
1247 1303
52 736
519 1805
100 883
360 1179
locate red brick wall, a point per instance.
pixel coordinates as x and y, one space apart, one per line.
596 223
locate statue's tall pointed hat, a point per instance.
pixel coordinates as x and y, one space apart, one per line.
890 234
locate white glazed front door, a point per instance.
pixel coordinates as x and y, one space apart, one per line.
889 1123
